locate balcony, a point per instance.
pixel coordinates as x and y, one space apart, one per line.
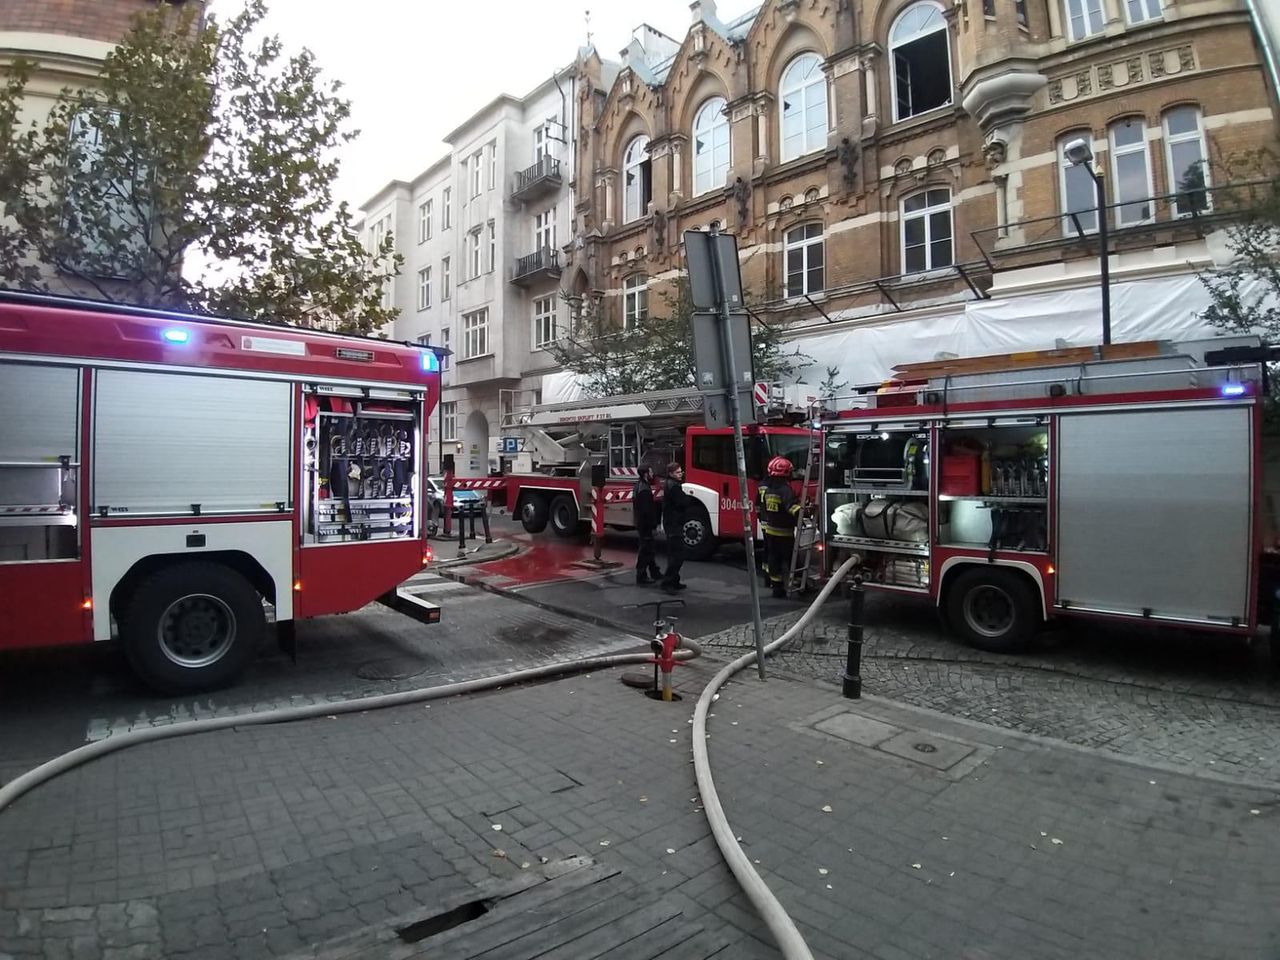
540 265
537 181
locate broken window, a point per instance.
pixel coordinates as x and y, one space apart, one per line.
637 180
921 60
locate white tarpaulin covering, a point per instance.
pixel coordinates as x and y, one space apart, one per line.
1165 308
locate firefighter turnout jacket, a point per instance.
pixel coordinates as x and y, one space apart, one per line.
778 508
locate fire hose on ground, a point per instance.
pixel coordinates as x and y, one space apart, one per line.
766 904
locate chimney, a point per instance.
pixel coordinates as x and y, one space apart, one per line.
703 10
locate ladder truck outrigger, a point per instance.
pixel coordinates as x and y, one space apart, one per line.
550 449
1125 482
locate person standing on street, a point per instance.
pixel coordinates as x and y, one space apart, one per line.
645 508
675 507
778 509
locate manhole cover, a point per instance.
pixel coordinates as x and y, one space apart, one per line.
394 668
924 747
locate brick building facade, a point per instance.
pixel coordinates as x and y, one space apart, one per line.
884 159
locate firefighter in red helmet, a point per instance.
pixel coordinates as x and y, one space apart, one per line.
778 509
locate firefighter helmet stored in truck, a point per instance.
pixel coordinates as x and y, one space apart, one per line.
779 467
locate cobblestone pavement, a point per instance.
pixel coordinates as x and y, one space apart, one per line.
1162 696
887 832
52 701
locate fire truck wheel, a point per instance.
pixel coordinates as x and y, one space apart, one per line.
993 609
565 521
533 512
192 627
699 542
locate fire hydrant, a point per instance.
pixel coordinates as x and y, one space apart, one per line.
665 643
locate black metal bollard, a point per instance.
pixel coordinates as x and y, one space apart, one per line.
484 520
853 663
473 525
462 535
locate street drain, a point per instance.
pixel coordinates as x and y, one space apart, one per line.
924 747
422 929
393 668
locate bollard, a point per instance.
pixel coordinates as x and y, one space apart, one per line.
484 521
462 536
597 518
473 524
853 664
448 503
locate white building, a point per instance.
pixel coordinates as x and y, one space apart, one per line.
483 232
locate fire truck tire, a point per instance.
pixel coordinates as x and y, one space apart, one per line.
699 542
993 609
533 512
192 627
563 514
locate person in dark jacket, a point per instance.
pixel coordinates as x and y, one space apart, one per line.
778 509
675 508
645 508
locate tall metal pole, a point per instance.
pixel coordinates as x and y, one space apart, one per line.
1105 264
735 414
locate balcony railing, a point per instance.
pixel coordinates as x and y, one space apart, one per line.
539 265
1196 210
539 179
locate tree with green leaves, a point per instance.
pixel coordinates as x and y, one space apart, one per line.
657 352
197 174
1245 295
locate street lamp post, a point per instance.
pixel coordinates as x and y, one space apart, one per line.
1080 155
441 353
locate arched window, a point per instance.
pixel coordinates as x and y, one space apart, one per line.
921 60
710 146
803 94
637 180
926 231
803 260
1131 185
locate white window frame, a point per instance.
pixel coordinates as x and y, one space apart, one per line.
1145 7
445 278
493 164
805 91
1092 15
424 288
805 245
545 322
493 246
896 42
1088 216
635 300
475 334
541 143
711 132
474 261
1172 140
1115 155
449 416
474 178
926 213
446 358
544 230
424 221
446 211
634 158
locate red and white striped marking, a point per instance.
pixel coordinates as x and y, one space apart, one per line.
34 510
617 496
761 393
479 483
624 471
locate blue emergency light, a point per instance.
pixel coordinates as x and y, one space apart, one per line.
176 335
1232 389
430 362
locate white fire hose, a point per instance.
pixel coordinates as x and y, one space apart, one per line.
771 911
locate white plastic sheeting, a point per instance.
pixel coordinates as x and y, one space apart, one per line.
1164 308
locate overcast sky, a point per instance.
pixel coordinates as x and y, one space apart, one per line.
415 69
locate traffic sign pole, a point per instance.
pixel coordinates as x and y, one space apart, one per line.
735 415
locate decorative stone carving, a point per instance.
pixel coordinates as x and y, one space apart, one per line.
848 154
811 195
937 157
1055 91
1156 62
1106 77
1186 58
659 230
785 203
741 193
1084 83
1134 66
994 151
902 167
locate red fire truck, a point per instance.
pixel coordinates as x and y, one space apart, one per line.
164 477
553 446
1123 482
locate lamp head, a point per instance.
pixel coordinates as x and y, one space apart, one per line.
1078 152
